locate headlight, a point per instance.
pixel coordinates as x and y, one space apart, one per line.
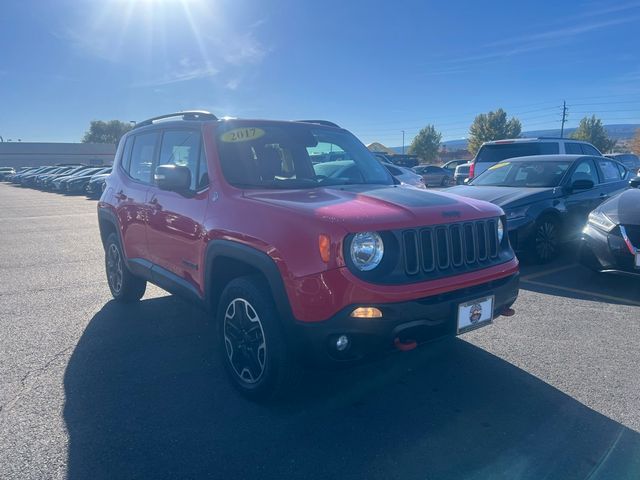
600 220
500 230
367 250
516 213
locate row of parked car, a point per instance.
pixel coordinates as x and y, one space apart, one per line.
555 191
70 179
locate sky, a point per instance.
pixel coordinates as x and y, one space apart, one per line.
375 68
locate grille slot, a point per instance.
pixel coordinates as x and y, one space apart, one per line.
428 256
633 232
411 261
445 249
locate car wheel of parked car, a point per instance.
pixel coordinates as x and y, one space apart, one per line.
252 342
124 286
546 240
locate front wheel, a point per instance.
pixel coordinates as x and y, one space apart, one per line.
124 286
546 240
252 342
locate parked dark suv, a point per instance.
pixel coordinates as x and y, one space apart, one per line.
296 266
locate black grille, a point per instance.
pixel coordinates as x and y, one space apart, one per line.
633 232
446 249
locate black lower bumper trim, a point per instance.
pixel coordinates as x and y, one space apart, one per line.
418 320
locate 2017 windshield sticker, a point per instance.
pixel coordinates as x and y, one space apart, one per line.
244 134
499 165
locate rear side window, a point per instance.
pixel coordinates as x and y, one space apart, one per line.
502 151
182 147
573 148
142 155
610 172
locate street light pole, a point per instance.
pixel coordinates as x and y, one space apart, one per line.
403 142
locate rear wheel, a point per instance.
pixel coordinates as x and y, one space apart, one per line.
124 286
252 342
546 240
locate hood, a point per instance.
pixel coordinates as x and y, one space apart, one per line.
377 207
623 208
505 196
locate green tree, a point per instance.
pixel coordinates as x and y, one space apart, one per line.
106 132
426 144
492 126
591 130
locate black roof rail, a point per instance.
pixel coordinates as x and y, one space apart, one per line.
185 115
326 123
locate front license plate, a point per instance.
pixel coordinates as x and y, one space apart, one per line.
637 259
475 314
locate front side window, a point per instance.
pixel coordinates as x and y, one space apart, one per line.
182 147
144 146
585 170
533 174
589 150
295 156
572 148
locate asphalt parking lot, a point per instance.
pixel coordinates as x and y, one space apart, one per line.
92 389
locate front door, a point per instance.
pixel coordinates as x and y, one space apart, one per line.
580 202
175 234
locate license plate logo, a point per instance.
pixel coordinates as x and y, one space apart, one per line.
475 314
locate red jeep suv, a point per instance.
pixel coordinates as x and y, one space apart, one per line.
299 240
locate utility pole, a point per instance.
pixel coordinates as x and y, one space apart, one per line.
564 117
403 142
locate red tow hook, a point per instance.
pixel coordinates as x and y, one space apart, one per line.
404 346
508 312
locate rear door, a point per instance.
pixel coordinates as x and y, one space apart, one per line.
130 196
175 230
614 178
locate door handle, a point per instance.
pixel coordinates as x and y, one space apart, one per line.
120 196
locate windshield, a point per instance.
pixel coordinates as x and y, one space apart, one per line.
501 151
523 174
295 156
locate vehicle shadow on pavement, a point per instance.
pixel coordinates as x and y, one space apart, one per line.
146 397
567 278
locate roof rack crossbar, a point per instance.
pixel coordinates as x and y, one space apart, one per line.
185 115
326 123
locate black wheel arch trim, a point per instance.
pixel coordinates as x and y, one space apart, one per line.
254 258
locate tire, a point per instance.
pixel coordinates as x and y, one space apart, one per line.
125 287
545 243
252 343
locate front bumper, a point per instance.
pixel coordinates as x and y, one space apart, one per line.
606 252
418 320
521 232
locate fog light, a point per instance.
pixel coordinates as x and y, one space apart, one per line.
342 343
366 312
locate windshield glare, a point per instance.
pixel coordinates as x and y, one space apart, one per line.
523 174
295 156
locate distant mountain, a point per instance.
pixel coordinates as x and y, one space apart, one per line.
619 131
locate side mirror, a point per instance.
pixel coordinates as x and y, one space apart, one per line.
173 177
582 184
635 182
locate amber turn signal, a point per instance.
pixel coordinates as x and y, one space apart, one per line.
366 312
324 244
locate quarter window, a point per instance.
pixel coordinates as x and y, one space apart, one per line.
589 150
142 154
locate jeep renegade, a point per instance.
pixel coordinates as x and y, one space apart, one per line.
299 241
